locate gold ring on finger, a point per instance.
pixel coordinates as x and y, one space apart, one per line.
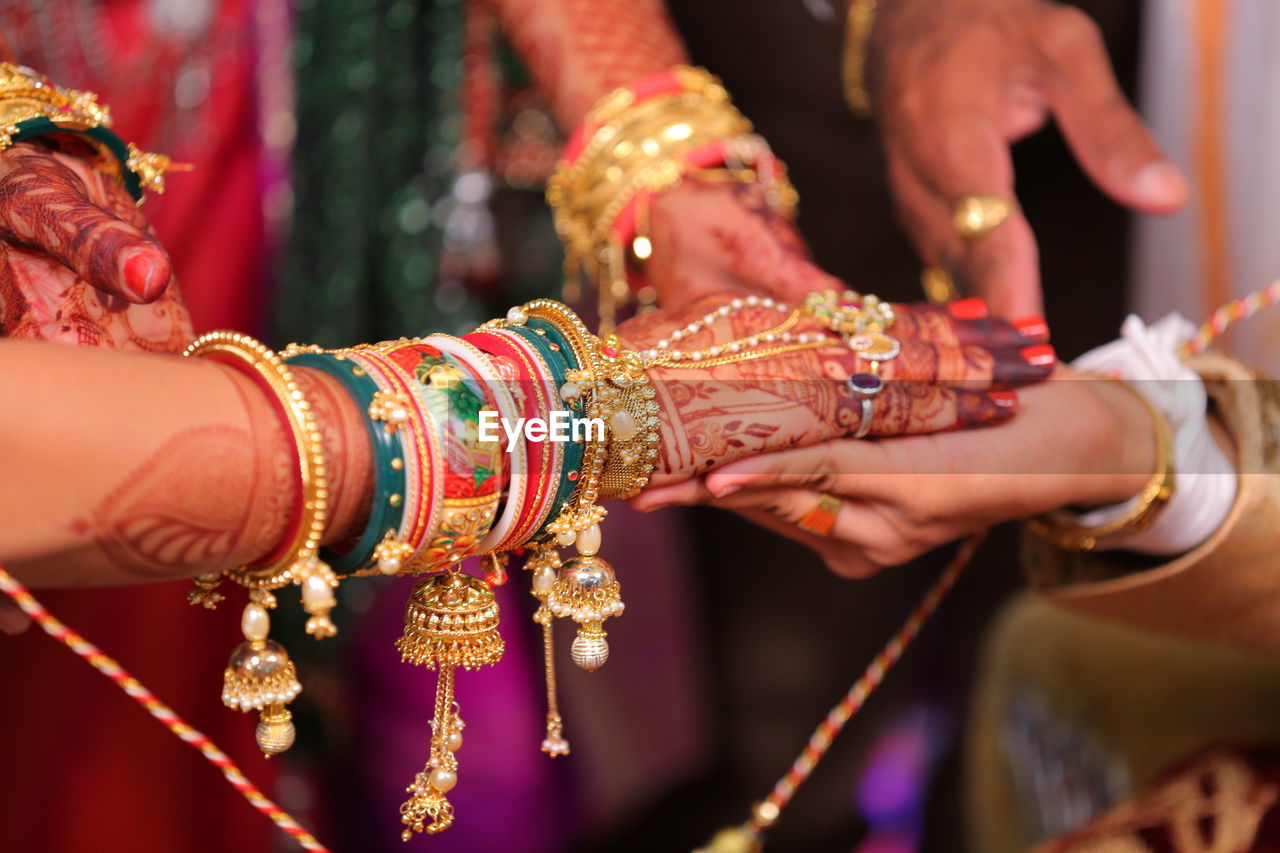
977 215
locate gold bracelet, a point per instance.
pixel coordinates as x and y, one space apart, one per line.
857 37
312 467
260 676
1059 530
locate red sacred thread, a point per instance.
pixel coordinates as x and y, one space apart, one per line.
162 712
1230 314
766 812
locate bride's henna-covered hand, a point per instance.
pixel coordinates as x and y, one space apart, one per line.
77 264
954 373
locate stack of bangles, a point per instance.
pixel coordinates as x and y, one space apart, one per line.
452 480
638 141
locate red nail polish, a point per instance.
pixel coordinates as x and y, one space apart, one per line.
967 309
139 270
1031 327
1004 399
1039 355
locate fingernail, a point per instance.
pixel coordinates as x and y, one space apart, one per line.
1039 355
1160 183
139 271
967 309
1031 327
725 491
1004 399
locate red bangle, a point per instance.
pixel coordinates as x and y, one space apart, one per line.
295 515
543 463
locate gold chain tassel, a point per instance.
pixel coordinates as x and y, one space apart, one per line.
451 621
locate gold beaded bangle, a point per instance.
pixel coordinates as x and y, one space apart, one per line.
1059 530
857 38
272 372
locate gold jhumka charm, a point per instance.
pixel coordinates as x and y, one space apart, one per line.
451 621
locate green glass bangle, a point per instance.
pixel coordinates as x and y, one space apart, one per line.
560 360
387 447
101 137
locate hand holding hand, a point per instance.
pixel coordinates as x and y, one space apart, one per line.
1075 441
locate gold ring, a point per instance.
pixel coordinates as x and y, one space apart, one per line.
939 286
822 517
977 215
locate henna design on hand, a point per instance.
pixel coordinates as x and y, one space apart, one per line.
47 207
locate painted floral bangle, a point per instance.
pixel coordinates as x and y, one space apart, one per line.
385 514
546 458
517 456
453 398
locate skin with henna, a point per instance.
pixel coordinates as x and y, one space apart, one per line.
187 467
77 264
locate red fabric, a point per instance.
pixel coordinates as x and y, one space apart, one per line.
86 768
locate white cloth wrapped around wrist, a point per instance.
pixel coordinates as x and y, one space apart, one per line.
1205 478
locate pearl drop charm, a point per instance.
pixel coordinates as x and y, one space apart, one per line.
566 537
453 741
570 391
516 316
317 594
255 623
623 425
443 780
589 541
543 579
389 565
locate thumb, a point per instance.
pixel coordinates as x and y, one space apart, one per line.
44 208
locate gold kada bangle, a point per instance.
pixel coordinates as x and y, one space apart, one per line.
312 467
1058 529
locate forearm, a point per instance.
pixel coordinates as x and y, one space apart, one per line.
167 468
579 50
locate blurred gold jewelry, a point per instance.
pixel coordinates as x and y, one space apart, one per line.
977 215
822 517
1061 531
939 286
857 39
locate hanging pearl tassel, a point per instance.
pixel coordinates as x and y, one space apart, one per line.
543 564
451 621
318 582
260 677
587 591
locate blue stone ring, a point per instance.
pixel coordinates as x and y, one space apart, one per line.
866 387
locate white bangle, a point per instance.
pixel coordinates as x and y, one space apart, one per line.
518 481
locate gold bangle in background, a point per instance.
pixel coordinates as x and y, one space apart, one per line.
1058 529
857 38
976 216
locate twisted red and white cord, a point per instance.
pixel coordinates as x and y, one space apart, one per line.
1230 314
767 811
162 712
